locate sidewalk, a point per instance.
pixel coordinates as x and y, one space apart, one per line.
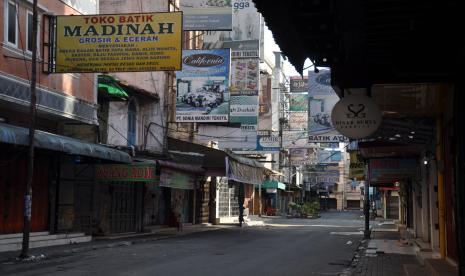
392 251
103 242
385 254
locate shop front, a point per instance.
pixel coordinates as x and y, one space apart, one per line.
63 167
180 183
273 197
236 191
120 193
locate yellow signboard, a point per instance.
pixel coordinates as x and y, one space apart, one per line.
119 42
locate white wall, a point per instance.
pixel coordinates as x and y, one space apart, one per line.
149 112
117 123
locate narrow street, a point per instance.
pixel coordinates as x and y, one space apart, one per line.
280 247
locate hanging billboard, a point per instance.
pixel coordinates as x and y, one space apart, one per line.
265 107
118 42
298 121
244 110
297 139
203 86
302 156
206 15
321 100
245 84
299 102
245 34
245 77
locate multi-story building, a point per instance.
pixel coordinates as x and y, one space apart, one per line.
66 110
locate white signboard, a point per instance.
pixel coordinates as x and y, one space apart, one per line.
356 116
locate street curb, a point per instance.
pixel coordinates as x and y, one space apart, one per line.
69 252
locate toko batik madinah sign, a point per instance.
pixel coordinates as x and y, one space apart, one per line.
118 42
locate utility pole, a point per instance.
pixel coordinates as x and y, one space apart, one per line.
30 164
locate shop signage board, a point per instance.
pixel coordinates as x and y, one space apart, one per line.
134 172
176 179
268 141
389 170
203 86
357 168
298 84
206 15
356 116
118 42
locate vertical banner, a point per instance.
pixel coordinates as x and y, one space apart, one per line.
265 107
244 92
118 42
203 86
321 100
206 15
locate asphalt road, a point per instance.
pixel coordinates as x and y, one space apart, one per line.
288 247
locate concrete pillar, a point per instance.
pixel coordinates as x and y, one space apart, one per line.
425 202
433 209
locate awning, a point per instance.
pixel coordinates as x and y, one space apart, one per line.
191 168
11 134
111 87
273 184
214 159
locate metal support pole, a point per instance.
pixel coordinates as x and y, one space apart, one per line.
367 205
32 115
260 199
441 195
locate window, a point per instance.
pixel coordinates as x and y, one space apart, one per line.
132 123
11 23
29 31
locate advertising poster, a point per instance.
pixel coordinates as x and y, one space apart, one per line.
265 107
245 85
325 156
244 110
321 100
118 42
357 168
297 139
206 15
245 77
268 141
298 84
203 86
299 102
245 33
302 156
329 176
298 121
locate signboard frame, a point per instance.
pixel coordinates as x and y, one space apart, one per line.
105 40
